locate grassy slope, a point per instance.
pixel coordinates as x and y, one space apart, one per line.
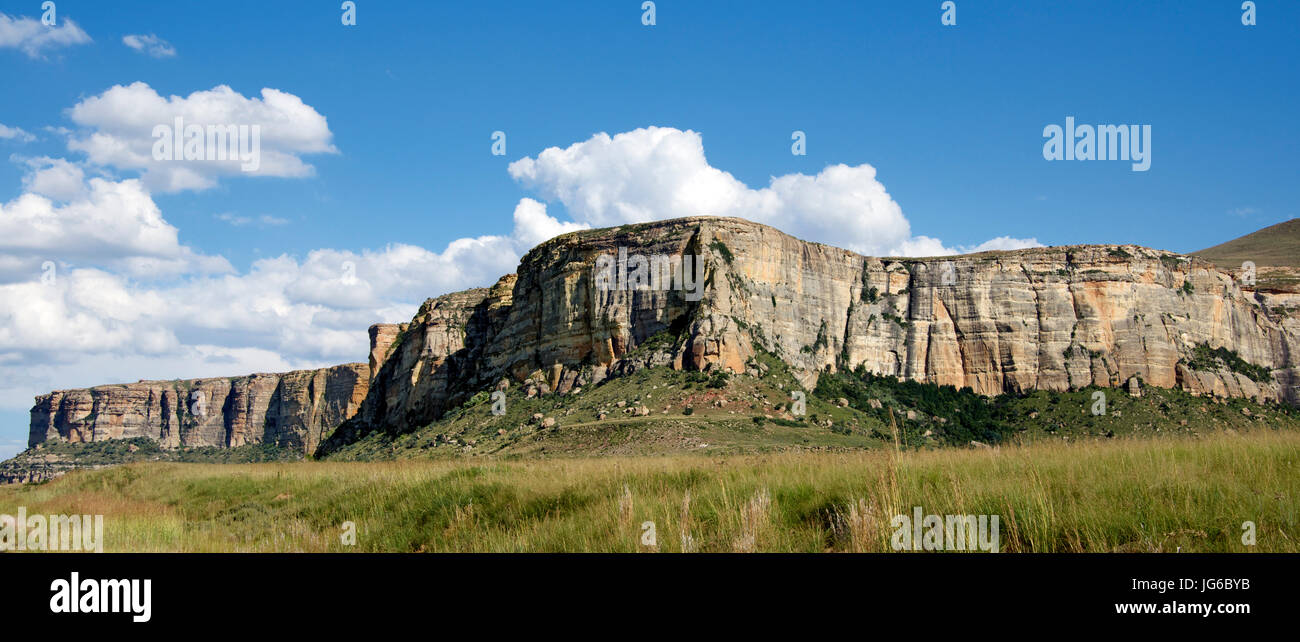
721 420
1276 245
1125 494
751 415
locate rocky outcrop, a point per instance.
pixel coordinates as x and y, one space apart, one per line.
1052 318
1047 318
382 336
293 409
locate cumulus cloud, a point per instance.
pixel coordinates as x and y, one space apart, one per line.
31 37
15 134
99 222
283 313
660 172
150 44
96 287
55 178
533 225
119 127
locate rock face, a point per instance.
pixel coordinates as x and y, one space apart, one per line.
294 409
1046 318
382 336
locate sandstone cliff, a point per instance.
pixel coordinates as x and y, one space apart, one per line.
1047 318
293 409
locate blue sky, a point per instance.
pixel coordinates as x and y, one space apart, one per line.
950 118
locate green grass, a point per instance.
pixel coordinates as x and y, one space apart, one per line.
1153 494
1276 245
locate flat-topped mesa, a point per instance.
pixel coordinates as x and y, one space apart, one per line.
293 409
1050 318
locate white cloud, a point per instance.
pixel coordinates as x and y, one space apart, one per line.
659 173
533 225
283 313
16 134
1003 243
102 222
121 298
55 178
121 122
150 44
31 37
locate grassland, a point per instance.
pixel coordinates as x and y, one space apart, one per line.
1275 245
1156 494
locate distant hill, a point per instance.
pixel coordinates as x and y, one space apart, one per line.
1276 245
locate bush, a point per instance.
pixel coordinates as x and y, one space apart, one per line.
1206 358
720 379
721 248
970 417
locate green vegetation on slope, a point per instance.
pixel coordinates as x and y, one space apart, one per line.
54 457
953 416
1276 245
652 411
1206 358
133 449
659 410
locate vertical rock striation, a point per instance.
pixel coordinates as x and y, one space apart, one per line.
294 409
1046 318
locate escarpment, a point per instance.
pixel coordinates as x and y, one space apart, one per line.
1053 318
293 409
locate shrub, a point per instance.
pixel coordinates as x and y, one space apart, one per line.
720 379
1206 358
722 249
970 417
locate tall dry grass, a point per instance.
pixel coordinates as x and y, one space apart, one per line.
1117 495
